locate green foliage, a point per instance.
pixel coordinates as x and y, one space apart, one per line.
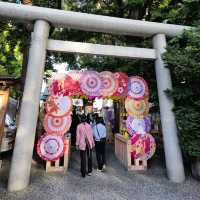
178 12
183 59
10 50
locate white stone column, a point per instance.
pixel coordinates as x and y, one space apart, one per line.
24 143
173 156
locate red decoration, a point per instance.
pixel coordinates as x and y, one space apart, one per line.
143 146
122 84
71 87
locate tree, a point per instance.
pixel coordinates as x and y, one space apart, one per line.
183 59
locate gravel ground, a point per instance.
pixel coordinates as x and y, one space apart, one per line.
115 183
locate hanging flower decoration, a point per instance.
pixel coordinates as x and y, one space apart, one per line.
137 108
122 89
137 88
58 106
91 83
57 125
110 83
50 147
138 125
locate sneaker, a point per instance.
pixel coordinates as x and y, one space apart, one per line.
89 174
99 170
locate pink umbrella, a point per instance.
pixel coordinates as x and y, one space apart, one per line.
58 106
110 83
91 83
50 147
122 84
57 125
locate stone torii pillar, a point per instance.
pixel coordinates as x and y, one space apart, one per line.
24 143
173 157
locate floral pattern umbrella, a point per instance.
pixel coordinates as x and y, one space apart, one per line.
50 147
143 146
91 83
71 87
57 125
137 88
55 88
122 89
137 108
137 149
149 145
110 83
138 125
58 106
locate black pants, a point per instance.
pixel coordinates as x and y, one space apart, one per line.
100 153
86 154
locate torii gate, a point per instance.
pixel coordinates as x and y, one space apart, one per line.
40 43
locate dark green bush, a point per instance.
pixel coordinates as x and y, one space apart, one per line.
183 60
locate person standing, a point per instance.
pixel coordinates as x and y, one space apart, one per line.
99 131
85 143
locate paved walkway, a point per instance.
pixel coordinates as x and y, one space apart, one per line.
115 183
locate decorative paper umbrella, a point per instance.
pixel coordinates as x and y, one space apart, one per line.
57 125
137 88
143 146
137 146
75 75
122 89
91 83
55 88
137 108
149 145
50 147
71 87
110 83
137 125
58 106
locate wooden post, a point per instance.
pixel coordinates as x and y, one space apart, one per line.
4 97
